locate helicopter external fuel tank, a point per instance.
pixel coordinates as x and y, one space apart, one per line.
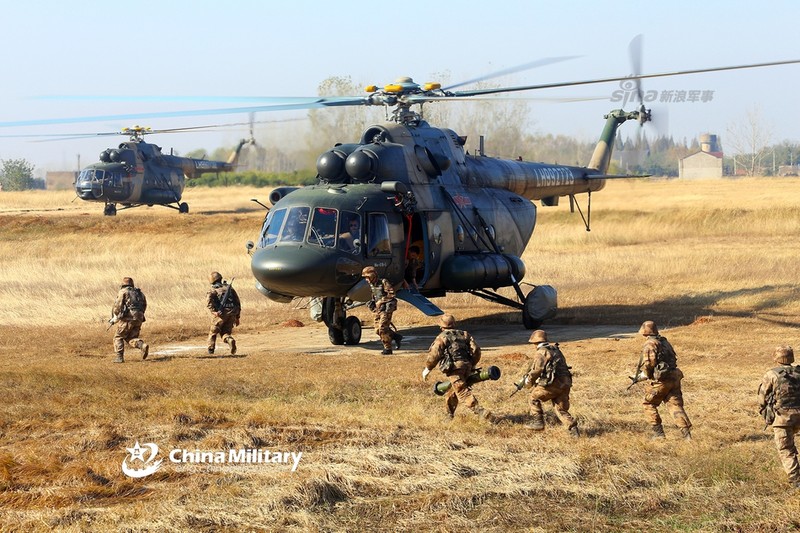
467 271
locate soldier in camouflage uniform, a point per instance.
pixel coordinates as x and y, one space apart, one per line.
550 379
223 319
457 354
779 400
659 364
383 304
129 306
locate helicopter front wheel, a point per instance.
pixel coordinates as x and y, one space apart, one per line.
183 208
335 335
352 330
110 210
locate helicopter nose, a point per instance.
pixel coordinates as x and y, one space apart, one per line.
304 271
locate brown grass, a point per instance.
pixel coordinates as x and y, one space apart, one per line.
712 261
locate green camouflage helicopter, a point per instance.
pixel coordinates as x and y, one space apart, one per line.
408 184
136 173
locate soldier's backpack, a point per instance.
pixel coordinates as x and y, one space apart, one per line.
787 389
457 349
549 372
135 299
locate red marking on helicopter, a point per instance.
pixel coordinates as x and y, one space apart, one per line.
462 201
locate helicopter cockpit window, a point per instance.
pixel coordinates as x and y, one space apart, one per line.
379 243
272 225
295 228
350 232
323 227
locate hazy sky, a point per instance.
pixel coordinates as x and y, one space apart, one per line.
74 50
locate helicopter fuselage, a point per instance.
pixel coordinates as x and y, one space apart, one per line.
408 185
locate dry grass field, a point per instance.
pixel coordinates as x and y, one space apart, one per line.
713 262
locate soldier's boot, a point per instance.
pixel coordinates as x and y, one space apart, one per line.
145 348
119 359
537 424
398 339
573 432
686 434
233 345
386 351
658 432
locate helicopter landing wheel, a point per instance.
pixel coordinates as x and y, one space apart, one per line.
336 336
541 303
183 208
110 210
352 330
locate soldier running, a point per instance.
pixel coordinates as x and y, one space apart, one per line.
659 364
550 379
223 302
383 304
129 308
779 402
457 354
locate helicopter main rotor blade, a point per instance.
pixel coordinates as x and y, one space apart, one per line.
512 70
635 53
478 92
298 103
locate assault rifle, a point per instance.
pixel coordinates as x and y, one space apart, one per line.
225 296
519 385
638 375
116 318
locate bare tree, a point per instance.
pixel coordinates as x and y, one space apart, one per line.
750 140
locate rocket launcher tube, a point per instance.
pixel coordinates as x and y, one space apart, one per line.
492 373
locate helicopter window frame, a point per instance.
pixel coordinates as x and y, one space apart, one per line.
379 241
274 220
324 221
296 225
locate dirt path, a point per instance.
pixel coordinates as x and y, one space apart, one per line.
313 339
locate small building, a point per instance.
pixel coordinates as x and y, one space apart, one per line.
707 163
60 181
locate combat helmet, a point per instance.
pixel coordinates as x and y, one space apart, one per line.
127 282
784 355
648 328
447 321
215 277
538 336
368 271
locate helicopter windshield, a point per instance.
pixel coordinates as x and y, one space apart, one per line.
91 175
323 227
272 225
350 232
295 228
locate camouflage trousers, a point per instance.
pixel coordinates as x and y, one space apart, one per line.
383 320
558 393
787 451
127 332
460 392
223 326
666 391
